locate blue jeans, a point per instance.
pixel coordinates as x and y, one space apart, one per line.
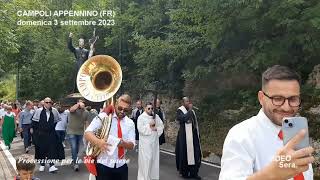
26 135
75 141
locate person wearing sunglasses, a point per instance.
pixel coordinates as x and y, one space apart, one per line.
150 129
252 147
48 149
113 166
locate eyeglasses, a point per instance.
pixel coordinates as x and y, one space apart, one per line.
48 102
294 101
125 110
150 108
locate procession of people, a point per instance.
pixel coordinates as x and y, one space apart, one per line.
47 126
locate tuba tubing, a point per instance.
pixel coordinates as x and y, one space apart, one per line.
98 79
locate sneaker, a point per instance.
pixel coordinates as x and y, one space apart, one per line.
76 167
41 168
52 169
27 150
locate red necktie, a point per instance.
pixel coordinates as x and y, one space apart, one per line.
300 175
120 149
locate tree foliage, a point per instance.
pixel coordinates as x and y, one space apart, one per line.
211 50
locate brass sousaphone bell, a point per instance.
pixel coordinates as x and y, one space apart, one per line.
98 79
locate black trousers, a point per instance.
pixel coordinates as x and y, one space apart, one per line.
106 173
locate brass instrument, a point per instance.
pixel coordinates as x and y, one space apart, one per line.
98 79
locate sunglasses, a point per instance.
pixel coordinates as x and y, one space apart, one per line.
125 110
48 102
150 108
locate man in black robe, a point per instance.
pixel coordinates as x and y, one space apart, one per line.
160 113
136 112
47 146
188 149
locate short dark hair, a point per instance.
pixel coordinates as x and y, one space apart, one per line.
149 103
25 162
278 72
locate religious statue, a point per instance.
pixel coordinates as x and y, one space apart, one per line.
81 54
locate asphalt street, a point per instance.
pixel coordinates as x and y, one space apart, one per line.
167 166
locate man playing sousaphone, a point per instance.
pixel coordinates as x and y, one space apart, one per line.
112 165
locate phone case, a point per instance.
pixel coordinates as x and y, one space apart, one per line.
291 126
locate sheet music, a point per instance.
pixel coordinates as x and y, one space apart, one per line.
113 141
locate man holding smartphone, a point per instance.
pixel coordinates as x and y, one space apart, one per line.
254 150
78 121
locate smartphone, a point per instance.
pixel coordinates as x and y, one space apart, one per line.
291 126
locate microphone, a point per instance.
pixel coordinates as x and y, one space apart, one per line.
195 107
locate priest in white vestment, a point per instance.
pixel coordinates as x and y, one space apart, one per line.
150 130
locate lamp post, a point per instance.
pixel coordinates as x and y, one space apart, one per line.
18 80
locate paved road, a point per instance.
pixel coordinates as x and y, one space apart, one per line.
167 167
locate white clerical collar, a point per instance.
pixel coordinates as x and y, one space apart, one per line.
262 117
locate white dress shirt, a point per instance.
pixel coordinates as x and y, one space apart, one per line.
250 146
48 114
128 134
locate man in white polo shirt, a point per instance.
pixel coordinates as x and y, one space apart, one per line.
252 148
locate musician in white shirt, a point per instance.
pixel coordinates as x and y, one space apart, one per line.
252 148
113 166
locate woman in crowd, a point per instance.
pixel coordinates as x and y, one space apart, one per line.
8 126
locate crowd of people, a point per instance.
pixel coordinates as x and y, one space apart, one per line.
47 126
244 156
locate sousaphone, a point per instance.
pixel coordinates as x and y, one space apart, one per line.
98 79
